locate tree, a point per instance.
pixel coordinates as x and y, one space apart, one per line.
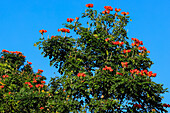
122 80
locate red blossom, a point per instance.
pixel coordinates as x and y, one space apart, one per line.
77 18
81 74
108 8
124 13
64 30
30 86
89 5
1 86
70 20
42 31
117 10
42 81
41 107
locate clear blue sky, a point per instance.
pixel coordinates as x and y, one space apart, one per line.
21 20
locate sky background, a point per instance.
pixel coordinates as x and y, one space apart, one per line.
21 20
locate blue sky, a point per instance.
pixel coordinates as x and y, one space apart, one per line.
21 20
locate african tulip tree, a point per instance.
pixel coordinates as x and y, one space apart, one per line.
122 81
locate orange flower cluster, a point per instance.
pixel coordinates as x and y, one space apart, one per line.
70 20
42 31
38 76
5 76
137 42
41 107
39 85
137 105
124 64
81 74
108 68
107 39
126 51
89 5
117 10
107 9
2 57
64 30
117 73
13 52
1 87
77 18
29 63
40 71
29 84
53 37
166 105
124 13
142 72
117 43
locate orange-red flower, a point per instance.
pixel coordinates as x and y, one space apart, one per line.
5 51
117 10
40 71
53 37
108 8
77 18
29 63
64 30
30 86
81 74
1 86
70 20
42 31
89 5
107 39
124 64
42 81
124 13
41 107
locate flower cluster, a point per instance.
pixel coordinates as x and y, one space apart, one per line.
117 10
29 84
137 42
5 76
40 71
89 5
137 105
117 43
70 20
38 76
41 107
13 52
108 68
124 64
29 63
64 30
39 85
107 39
81 74
77 18
42 31
124 13
142 72
117 73
166 105
1 86
107 9
126 51
53 37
